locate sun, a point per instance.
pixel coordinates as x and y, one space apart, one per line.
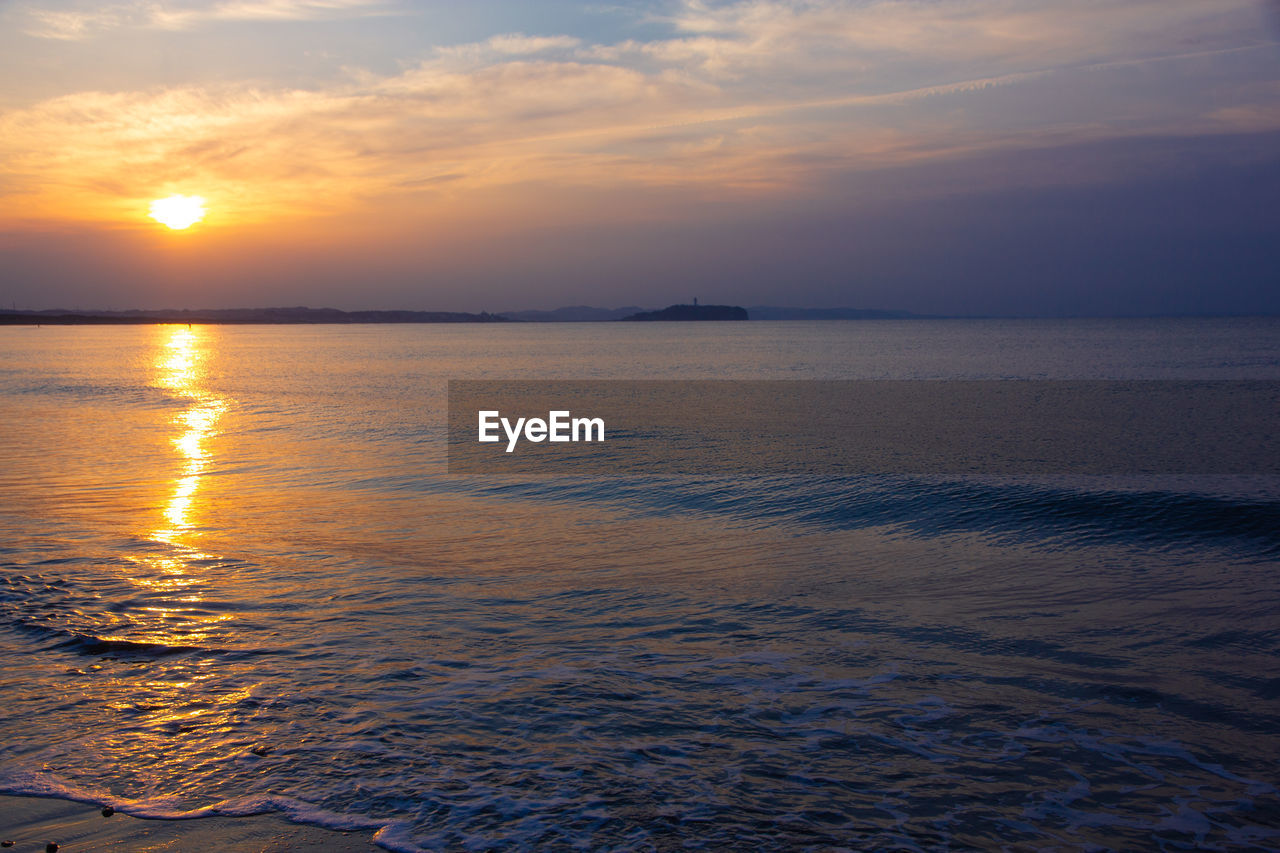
178 211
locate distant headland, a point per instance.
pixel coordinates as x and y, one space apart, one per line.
589 314
691 312
242 315
570 314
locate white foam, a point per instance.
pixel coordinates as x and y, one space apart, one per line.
393 836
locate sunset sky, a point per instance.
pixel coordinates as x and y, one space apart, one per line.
939 156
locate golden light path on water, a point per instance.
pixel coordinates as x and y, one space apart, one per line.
174 581
179 371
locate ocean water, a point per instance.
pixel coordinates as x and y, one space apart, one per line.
236 578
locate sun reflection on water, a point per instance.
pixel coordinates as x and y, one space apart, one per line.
174 582
178 365
186 702
179 704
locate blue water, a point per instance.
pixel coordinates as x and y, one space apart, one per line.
236 577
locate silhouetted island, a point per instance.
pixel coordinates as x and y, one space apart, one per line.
692 312
299 314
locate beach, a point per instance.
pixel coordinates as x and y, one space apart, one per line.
32 823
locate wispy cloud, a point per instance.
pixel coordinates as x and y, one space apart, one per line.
881 39
760 95
85 21
517 43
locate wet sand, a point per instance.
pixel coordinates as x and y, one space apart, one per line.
32 822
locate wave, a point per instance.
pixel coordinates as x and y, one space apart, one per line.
390 835
1009 512
91 644
146 396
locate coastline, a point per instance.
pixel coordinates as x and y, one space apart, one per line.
32 822
240 316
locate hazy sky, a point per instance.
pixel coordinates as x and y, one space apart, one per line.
944 156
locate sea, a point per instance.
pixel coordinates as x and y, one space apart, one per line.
237 577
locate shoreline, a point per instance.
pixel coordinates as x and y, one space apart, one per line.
206 320
31 822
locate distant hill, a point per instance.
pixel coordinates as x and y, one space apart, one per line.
692 312
588 314
770 312
242 315
569 314
573 314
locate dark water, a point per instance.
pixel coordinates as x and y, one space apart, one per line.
236 578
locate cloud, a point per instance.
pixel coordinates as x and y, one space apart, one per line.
974 38
513 44
74 25
756 96
81 23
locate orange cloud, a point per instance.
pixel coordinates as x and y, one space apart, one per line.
754 96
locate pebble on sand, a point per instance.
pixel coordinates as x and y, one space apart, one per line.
107 811
51 848
6 843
